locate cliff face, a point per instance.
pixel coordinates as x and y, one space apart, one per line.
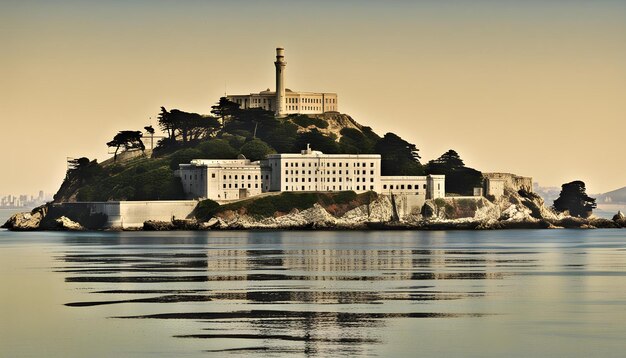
513 210
335 123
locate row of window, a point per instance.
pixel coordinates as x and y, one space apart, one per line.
256 177
328 180
356 172
332 164
309 100
328 188
230 186
401 186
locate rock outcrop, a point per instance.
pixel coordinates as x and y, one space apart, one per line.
66 224
26 221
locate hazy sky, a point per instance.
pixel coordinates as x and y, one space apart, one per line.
536 88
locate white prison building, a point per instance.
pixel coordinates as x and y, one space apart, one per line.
309 171
284 101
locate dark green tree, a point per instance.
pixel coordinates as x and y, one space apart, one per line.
217 149
353 141
256 149
224 109
573 198
459 178
318 141
184 156
398 157
127 139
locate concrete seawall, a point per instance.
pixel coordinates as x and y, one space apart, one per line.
132 214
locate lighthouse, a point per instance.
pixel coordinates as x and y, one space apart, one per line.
283 101
280 81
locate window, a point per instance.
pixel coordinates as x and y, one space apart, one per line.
224 177
256 185
424 186
224 185
357 179
235 177
409 186
391 187
371 164
256 177
249 177
402 186
286 172
230 186
249 186
236 186
371 180
371 187
212 175
385 186
371 172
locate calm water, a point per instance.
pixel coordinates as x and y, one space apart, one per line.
558 293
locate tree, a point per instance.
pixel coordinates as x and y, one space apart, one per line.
184 156
398 157
187 126
256 149
165 121
127 139
459 178
83 168
318 141
573 198
217 149
354 141
224 109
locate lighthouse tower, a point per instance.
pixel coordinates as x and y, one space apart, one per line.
280 81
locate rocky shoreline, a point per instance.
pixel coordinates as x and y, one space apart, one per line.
517 210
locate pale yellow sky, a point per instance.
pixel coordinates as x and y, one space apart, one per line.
532 87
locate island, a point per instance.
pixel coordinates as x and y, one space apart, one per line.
289 159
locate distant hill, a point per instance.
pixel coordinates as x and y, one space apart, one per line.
613 197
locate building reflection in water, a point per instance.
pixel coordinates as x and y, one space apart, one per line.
322 301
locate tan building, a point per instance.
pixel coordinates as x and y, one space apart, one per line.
309 171
284 101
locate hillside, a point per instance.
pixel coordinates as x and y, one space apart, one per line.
613 197
150 174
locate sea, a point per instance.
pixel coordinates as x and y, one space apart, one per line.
514 293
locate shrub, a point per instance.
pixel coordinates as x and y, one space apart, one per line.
184 156
217 149
205 209
306 121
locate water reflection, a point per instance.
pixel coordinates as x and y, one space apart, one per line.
321 300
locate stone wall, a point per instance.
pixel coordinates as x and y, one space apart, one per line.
512 181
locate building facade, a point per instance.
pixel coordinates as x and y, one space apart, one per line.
221 179
308 171
284 101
